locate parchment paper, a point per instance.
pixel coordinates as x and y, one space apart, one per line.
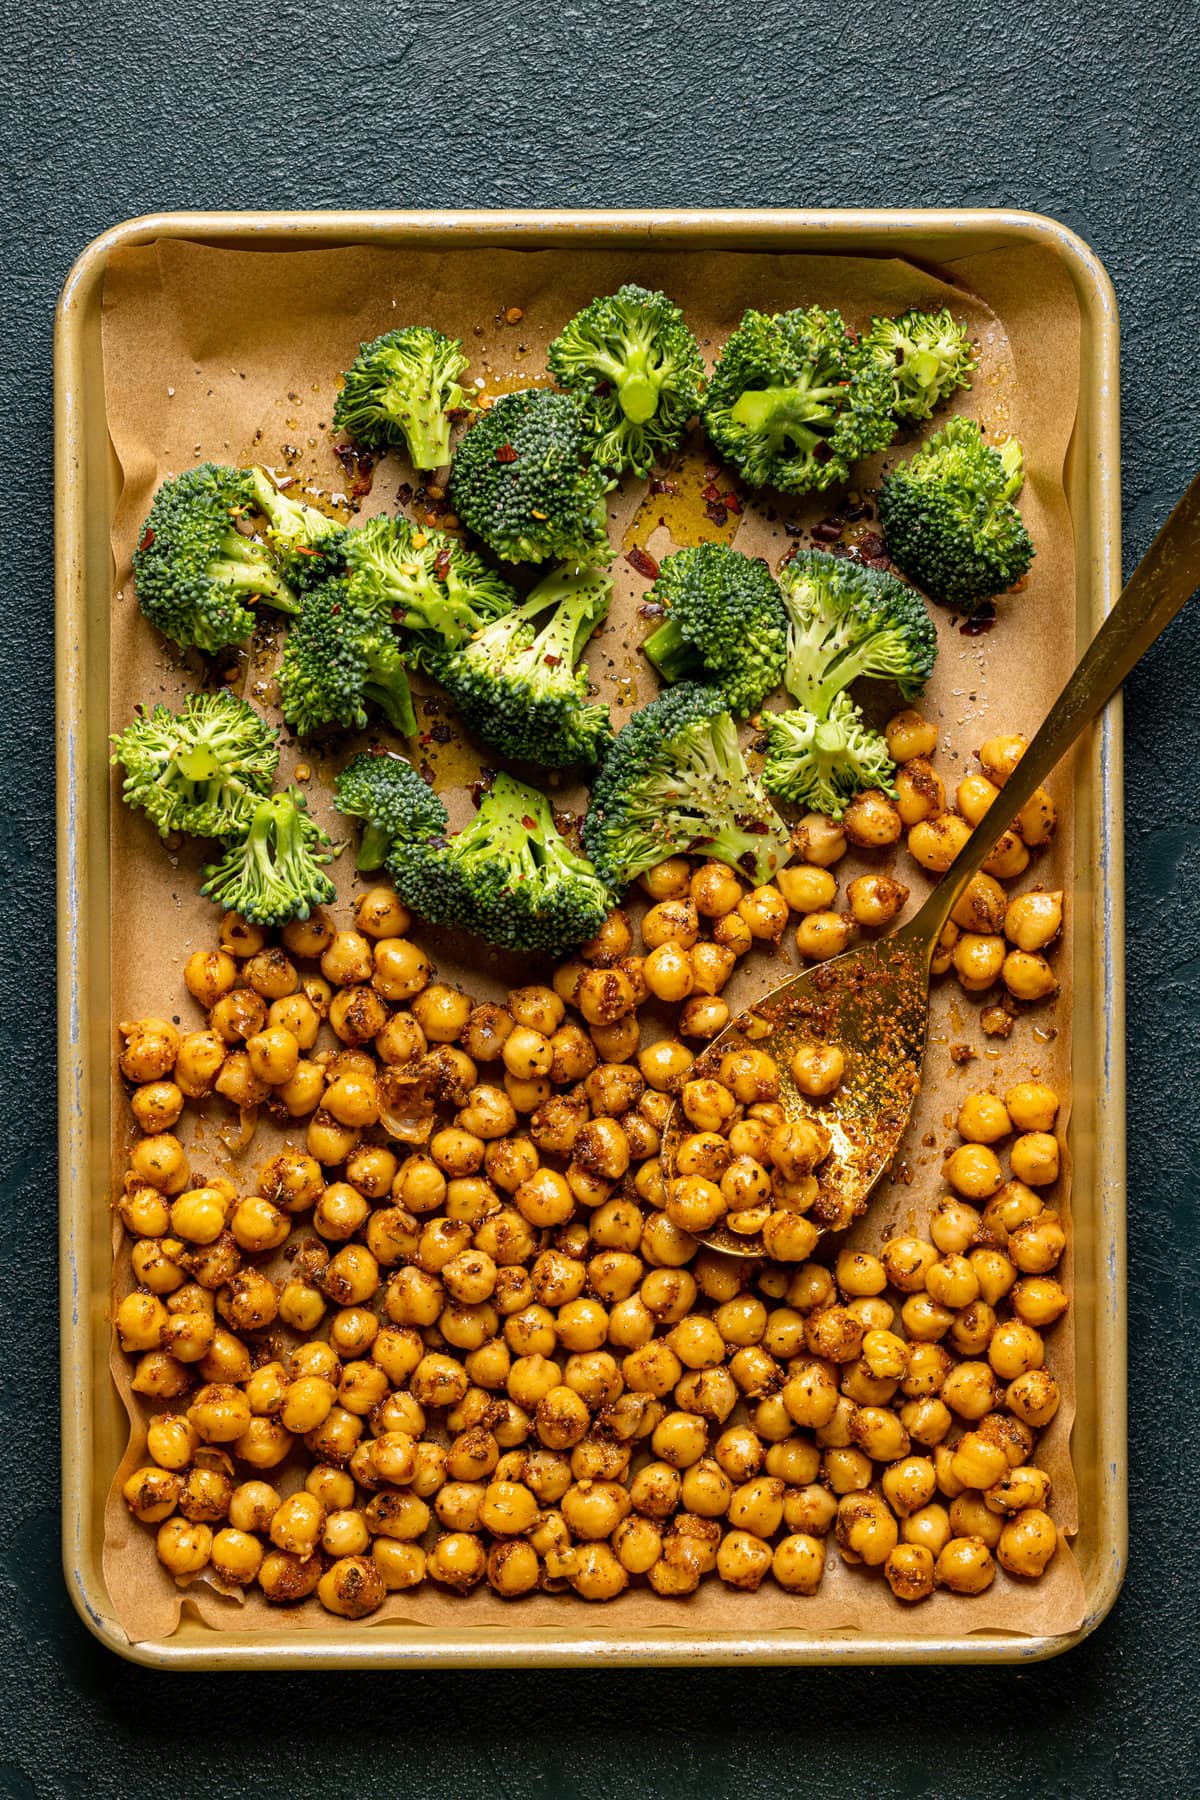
235 355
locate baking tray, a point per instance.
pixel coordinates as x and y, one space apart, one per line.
94 1424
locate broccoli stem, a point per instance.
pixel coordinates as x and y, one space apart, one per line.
672 655
638 389
374 848
427 429
786 412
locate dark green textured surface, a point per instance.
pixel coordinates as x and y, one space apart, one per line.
1086 112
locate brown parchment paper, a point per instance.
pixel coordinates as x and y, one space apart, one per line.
235 355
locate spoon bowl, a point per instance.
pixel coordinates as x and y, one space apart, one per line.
872 1002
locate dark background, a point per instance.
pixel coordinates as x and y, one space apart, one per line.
1087 112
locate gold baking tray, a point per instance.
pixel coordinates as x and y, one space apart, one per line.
94 1424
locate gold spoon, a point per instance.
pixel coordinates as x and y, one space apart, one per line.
873 1001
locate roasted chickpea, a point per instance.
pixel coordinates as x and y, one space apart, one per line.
1032 1106
874 900
1034 1158
822 935
818 840
872 821
866 1529
935 842
965 1565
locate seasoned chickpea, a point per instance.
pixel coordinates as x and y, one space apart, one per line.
732 935
764 911
798 1563
308 937
238 936
866 1529
817 1069
818 840
872 821
878 1431
605 996
379 914
999 756
1009 858
348 959
1027 1543
908 734
1034 1158
1037 818
458 1560
667 880
943 950
1033 920
909 1572
1033 1397
974 1171
1014 1349
973 797
860 1273
924 1320
613 940
965 1565
822 935
1032 1106
909 1485
219 1413
874 900
983 1119
1028 976
920 791
183 1548
905 1260
757 1506
935 842
978 961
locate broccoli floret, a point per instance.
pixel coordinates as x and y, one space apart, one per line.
400 391
201 770
948 516
793 401
820 764
516 683
927 357
725 620
844 621
635 368
195 571
520 482
304 542
394 804
423 580
274 871
675 781
338 656
510 877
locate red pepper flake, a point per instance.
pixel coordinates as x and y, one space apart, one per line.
731 501
981 620
506 454
827 532
710 492
305 550
602 389
660 485
821 451
552 662
441 564
147 540
711 471
643 562
528 823
716 512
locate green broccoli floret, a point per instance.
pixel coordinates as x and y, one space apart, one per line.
304 542
820 764
201 770
948 516
516 683
520 482
675 781
394 804
845 620
338 656
400 391
793 401
274 871
635 369
423 580
926 355
725 620
510 877
195 570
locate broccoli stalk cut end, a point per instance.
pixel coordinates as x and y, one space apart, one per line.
275 872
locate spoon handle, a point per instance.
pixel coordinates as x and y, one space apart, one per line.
1164 579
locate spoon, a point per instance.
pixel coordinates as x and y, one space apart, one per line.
873 1001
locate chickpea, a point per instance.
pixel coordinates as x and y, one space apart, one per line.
259 1225
1037 819
920 791
1033 1397
811 1509
822 935
156 1106
1033 920
935 842
613 940
924 1320
974 1171
905 1260
965 1565
308 937
619 1041
219 1413
757 1506
183 1548
237 1015
239 937
983 1119
1009 859
874 900
457 1561
866 1530
877 1430
872 821
764 911
818 840
978 961
928 1526
860 1273
798 1563
817 1069
160 1163
1011 1207
908 734
732 934
909 1485
909 1572
400 1565
943 951
1034 1158
1028 976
